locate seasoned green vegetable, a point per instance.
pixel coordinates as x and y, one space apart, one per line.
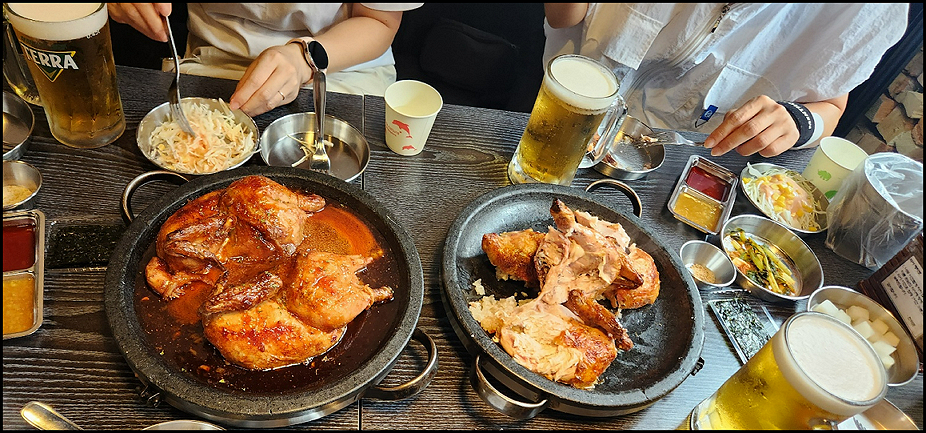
759 263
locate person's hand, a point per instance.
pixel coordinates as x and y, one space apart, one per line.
144 17
271 80
761 125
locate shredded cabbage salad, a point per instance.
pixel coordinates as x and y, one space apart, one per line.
220 141
784 195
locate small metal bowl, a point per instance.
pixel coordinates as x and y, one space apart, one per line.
17 175
764 167
625 161
18 122
280 145
161 114
708 255
804 265
906 360
184 424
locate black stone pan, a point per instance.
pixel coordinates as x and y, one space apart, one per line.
351 370
668 335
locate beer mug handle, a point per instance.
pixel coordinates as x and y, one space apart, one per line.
600 143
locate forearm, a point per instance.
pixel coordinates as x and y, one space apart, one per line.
361 38
830 110
563 15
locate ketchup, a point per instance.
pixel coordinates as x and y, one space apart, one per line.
18 245
709 184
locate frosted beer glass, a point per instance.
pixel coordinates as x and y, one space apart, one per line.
69 52
815 372
575 95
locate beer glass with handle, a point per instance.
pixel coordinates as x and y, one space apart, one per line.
574 97
815 372
69 51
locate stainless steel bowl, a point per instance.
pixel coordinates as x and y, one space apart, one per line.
764 167
906 361
20 174
280 144
625 161
161 114
708 255
804 265
18 122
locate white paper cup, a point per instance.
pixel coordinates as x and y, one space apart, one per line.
411 107
833 160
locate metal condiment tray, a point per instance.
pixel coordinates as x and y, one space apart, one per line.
726 205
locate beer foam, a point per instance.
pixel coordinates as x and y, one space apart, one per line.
582 83
836 359
43 20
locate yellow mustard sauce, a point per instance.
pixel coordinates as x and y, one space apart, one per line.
18 304
697 210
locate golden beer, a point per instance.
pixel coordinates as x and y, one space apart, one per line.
814 373
574 97
70 56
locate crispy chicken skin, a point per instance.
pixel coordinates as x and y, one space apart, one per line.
639 296
512 253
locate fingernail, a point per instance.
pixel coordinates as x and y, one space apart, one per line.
709 143
716 152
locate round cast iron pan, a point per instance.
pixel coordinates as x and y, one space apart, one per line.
126 269
668 335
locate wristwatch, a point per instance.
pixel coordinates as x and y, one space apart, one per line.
314 53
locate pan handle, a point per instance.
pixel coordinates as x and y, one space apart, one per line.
501 402
416 385
628 191
136 183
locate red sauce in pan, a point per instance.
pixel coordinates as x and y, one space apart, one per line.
701 180
18 245
174 331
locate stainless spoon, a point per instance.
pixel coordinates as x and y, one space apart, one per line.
317 58
43 417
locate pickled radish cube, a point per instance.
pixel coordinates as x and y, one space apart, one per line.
843 317
864 328
826 307
890 338
858 314
888 362
879 326
883 348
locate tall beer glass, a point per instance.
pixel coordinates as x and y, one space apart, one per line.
815 372
575 95
71 59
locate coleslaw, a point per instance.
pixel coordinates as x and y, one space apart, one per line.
220 141
784 195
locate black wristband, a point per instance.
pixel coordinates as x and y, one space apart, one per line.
803 118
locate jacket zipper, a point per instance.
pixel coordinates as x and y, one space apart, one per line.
692 45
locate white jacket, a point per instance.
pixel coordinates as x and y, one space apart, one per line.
673 66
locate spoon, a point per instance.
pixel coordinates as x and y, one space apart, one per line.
43 417
317 58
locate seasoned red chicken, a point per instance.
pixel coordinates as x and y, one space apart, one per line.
273 301
325 291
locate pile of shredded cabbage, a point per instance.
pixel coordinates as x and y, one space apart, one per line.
220 141
785 196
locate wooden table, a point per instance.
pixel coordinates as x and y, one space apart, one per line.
72 362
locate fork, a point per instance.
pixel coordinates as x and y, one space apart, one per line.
665 137
173 93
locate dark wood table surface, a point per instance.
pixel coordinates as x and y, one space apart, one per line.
72 361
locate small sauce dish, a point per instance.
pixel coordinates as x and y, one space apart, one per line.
709 266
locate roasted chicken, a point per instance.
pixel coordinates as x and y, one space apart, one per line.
561 334
274 302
